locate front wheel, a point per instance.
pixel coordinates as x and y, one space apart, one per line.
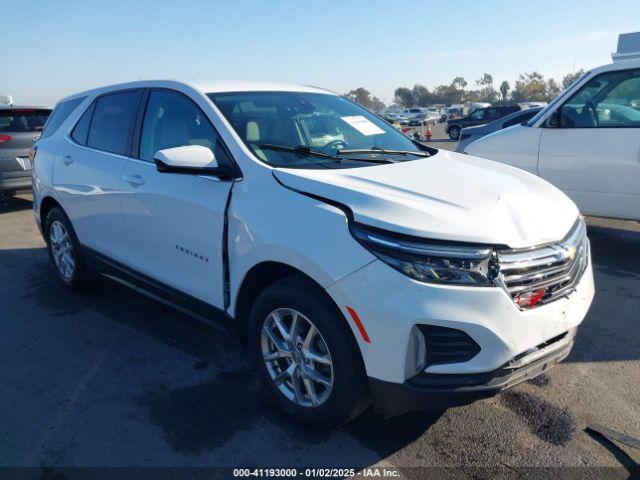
307 359
454 133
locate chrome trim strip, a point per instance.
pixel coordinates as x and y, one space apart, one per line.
433 250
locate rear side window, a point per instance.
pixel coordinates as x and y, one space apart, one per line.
59 115
112 120
81 130
492 114
23 120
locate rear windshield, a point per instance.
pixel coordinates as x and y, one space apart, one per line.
60 114
23 120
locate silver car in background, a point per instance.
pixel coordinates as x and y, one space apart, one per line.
471 134
20 127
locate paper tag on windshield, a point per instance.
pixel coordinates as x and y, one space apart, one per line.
363 125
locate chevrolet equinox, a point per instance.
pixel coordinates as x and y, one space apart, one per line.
359 266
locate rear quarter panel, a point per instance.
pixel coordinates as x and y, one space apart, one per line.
42 173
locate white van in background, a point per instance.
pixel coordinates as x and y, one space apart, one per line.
409 113
525 105
587 140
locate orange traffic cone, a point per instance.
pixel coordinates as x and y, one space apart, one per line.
428 133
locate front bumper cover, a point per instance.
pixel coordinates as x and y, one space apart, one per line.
433 391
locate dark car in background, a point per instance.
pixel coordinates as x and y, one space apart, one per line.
20 127
478 117
471 134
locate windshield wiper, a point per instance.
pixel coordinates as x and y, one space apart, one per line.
383 151
305 150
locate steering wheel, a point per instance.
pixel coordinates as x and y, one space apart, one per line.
593 113
335 145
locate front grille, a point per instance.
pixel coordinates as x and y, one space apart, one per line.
447 345
544 274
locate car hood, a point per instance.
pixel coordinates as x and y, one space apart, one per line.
448 196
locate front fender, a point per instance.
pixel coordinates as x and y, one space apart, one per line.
280 225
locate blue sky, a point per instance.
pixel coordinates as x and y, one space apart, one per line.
53 48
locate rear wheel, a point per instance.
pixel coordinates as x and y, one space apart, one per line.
454 133
65 251
305 354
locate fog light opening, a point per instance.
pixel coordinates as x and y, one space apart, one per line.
416 353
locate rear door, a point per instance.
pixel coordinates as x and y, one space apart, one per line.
174 222
593 154
88 171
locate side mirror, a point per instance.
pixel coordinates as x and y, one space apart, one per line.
189 159
554 119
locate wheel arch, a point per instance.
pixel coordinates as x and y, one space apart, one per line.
46 205
259 277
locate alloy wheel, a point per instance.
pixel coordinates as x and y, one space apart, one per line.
297 357
62 249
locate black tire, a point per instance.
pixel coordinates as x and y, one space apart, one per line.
81 277
348 397
454 132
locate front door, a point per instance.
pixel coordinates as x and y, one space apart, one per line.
174 222
594 153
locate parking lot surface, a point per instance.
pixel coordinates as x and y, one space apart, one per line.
109 378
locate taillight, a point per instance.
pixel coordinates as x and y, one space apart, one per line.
4 138
32 153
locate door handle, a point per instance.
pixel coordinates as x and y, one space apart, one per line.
67 159
133 179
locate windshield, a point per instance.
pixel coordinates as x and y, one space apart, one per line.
553 102
318 122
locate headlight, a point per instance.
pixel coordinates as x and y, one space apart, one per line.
428 260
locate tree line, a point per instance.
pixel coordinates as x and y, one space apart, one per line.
531 87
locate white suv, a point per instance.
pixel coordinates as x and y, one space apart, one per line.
358 265
586 142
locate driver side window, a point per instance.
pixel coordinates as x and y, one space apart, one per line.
173 120
606 101
478 115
